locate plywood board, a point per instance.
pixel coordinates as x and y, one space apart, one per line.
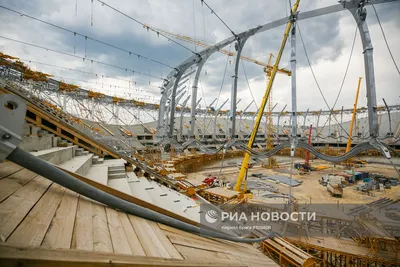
118 236
151 244
61 228
14 209
15 181
133 240
7 168
101 233
34 227
82 238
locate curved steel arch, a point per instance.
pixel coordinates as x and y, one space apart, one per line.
174 76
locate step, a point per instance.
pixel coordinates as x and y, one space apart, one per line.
78 164
80 152
164 200
137 187
116 175
36 143
116 167
120 184
116 170
56 155
98 173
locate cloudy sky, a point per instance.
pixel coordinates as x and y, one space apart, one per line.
328 41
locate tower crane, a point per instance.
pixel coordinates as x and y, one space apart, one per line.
267 67
270 126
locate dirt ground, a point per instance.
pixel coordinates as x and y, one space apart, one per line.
310 189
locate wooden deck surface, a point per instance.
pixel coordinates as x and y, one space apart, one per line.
44 218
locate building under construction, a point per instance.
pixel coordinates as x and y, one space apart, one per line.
89 178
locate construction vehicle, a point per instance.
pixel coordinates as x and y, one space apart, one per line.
335 189
211 181
306 166
353 117
245 165
333 184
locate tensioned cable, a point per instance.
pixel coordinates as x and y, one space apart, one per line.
213 12
222 83
384 37
145 26
248 84
223 77
315 78
194 27
344 78
90 73
105 84
83 58
87 37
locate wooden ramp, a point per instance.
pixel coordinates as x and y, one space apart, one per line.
42 223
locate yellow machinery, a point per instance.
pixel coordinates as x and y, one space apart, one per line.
353 117
246 159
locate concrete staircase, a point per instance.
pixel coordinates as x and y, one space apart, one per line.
109 172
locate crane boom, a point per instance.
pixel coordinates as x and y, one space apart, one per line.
184 38
353 116
246 159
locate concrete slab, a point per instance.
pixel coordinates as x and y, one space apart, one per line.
56 155
79 164
138 189
164 200
98 174
36 143
120 184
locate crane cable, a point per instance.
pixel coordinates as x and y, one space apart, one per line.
384 37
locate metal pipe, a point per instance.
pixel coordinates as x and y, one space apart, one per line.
43 168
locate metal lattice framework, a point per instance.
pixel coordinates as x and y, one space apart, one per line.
170 90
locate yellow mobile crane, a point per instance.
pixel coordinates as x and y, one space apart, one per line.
353 116
246 159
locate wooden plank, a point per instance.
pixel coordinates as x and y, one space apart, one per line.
15 181
129 198
101 233
7 168
166 242
34 227
195 243
82 237
118 235
213 241
152 246
61 228
193 253
133 240
16 256
14 209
